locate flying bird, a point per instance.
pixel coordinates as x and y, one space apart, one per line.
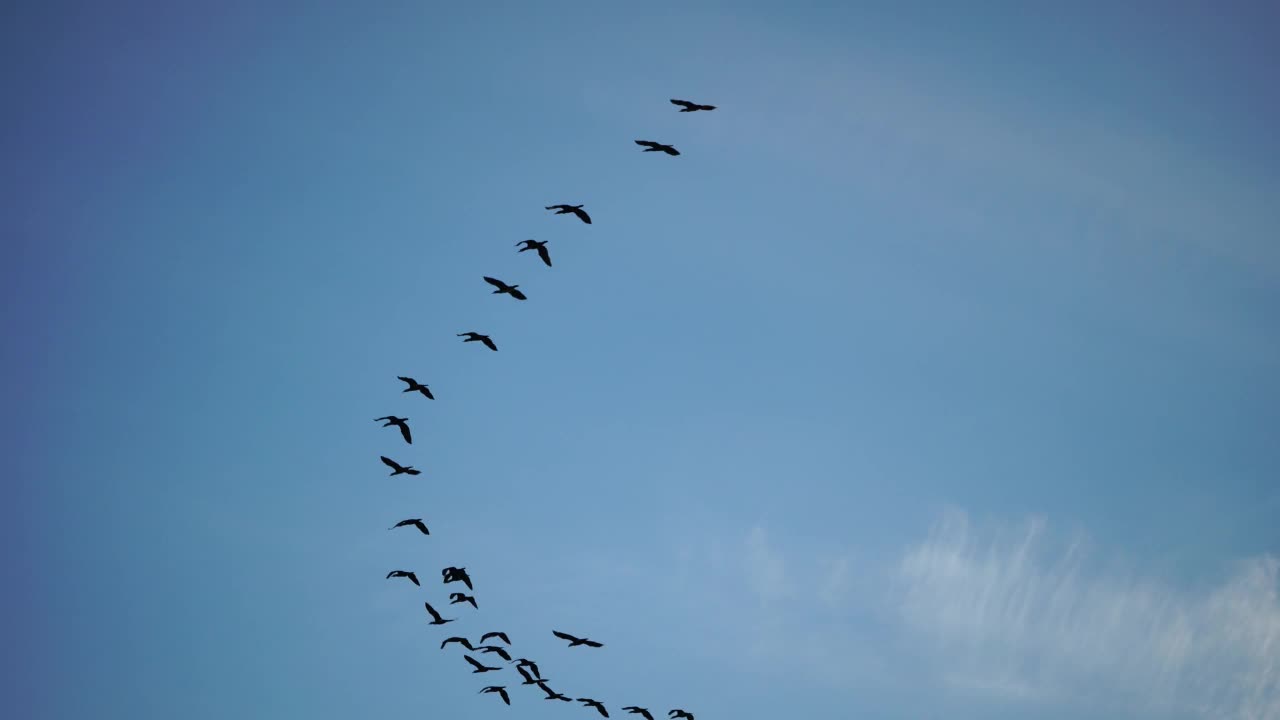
415 385
416 522
402 423
686 106
435 616
574 641
405 574
540 246
680 714
397 468
529 679
458 575
575 209
522 662
479 666
553 695
477 337
501 651
455 598
460 640
500 635
501 690
651 146
588 702
504 288
639 711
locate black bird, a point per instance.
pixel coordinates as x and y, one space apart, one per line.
435 616
404 573
522 662
505 288
540 246
651 146
402 423
552 694
460 640
501 651
680 714
686 106
575 209
416 522
639 711
415 385
477 337
479 667
529 679
500 635
455 598
458 575
588 702
397 468
500 689
574 641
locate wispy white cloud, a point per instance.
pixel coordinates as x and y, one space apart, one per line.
1012 615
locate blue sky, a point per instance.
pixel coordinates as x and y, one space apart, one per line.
938 377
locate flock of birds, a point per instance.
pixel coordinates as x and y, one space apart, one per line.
527 669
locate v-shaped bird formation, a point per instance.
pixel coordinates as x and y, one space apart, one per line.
528 670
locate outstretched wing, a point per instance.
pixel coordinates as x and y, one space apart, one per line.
564 636
426 391
683 103
505 698
495 282
670 150
582 215
527 677
409 380
390 463
419 524
648 144
413 578
404 430
518 295
434 615
546 256
488 342
592 643
412 471
474 663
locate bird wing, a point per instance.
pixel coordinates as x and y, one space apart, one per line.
413 577
505 698
670 150
392 574
582 215
518 295
471 660
427 391
404 430
564 636
390 463
504 637
600 707
412 471
646 714
382 418
648 143
434 615
418 524
682 103
466 580
592 643
409 380
499 651
534 667
527 677
495 282
546 256
489 343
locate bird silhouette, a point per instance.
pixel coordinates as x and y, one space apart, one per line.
529 679
477 337
404 574
651 146
588 702
686 106
552 694
435 616
500 689
402 423
575 209
397 468
639 711
504 288
496 634
479 666
452 574
498 649
460 640
416 522
523 662
540 246
415 385
455 598
680 714
575 641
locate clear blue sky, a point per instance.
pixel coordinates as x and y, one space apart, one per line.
939 377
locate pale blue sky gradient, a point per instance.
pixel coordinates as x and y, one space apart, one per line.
939 376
